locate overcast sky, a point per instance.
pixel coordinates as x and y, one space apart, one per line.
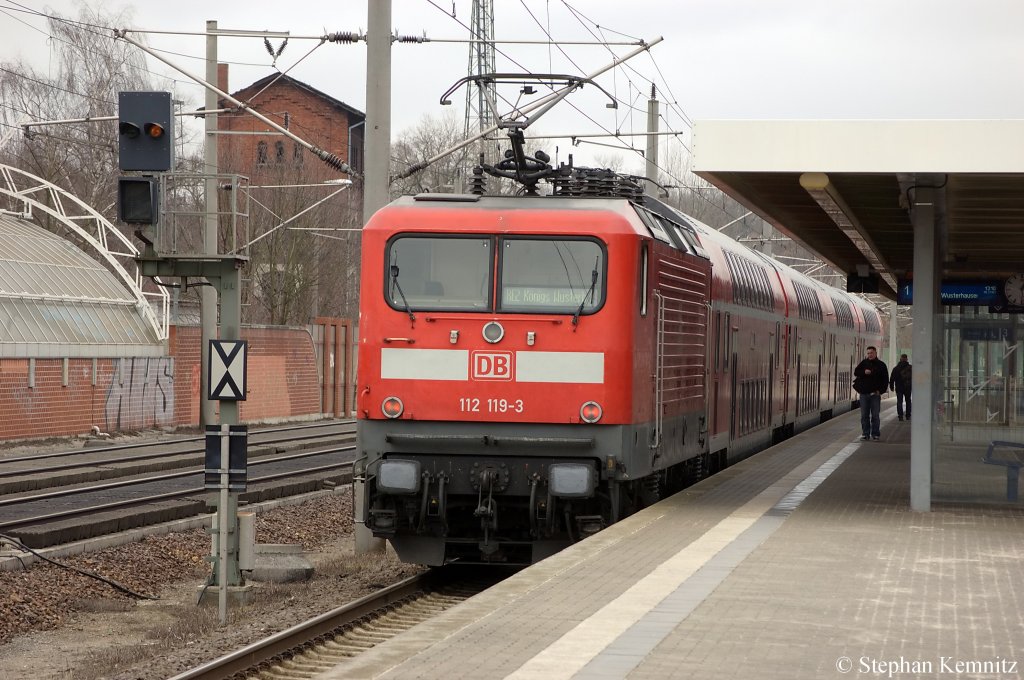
741 59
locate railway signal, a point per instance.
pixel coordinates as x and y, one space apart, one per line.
145 127
138 200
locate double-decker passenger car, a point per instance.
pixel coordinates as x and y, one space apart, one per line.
534 368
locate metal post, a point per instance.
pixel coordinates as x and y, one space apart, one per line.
376 190
894 351
767 233
230 302
222 523
926 297
651 154
228 573
378 107
231 329
208 299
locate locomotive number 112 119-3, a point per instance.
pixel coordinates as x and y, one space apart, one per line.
475 405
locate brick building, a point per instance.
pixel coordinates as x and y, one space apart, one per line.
317 117
308 267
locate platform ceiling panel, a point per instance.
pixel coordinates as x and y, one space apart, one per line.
978 167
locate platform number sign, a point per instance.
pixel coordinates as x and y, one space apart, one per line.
227 370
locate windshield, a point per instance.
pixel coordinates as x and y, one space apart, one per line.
439 273
453 273
551 275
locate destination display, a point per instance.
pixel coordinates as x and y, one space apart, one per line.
543 297
969 293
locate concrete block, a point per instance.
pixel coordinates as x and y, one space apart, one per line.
280 563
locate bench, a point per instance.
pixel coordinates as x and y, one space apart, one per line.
1013 462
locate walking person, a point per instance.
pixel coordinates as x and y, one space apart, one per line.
871 381
900 381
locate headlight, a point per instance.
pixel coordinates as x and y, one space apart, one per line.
493 332
399 476
571 480
392 407
591 412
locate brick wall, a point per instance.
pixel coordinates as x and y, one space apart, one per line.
48 408
140 393
283 379
311 116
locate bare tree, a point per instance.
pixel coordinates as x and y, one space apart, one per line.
90 68
430 137
304 249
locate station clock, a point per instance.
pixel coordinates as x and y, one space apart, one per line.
1013 289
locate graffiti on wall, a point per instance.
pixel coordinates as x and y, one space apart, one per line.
141 394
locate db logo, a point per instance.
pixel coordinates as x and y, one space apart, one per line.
492 365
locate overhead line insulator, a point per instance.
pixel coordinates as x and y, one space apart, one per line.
345 37
411 39
335 162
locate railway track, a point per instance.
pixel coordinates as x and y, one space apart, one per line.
328 640
55 511
268 439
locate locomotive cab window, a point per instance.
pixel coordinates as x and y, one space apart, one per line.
552 275
439 273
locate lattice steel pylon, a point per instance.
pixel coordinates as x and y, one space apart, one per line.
479 114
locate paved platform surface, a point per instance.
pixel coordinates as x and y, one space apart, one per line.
804 561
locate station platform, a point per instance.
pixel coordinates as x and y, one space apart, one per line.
804 561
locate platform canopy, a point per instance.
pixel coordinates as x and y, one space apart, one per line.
841 187
56 301
69 281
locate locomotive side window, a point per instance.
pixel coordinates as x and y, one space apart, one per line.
552 275
643 279
439 273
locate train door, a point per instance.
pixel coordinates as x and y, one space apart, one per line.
835 384
817 390
799 384
849 394
786 372
772 370
734 388
716 366
830 350
659 369
728 369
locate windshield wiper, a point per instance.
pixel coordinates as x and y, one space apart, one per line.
590 294
394 279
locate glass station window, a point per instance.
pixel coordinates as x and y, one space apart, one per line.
552 275
442 273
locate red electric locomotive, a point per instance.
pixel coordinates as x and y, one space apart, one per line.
534 368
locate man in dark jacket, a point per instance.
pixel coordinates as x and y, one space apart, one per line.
871 381
900 380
